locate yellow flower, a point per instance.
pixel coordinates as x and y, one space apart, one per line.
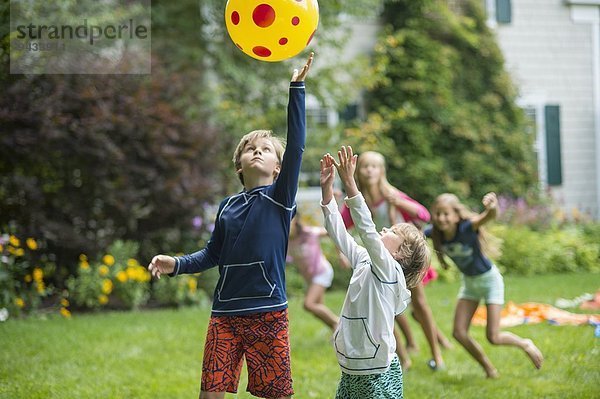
28 278
1 248
14 241
19 302
84 265
122 276
108 260
132 262
19 252
40 287
103 270
31 244
107 286
38 274
83 258
102 299
192 284
65 313
64 302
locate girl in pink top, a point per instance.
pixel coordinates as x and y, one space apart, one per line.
304 249
389 205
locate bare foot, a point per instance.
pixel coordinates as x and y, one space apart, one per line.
406 364
412 348
444 343
492 373
534 353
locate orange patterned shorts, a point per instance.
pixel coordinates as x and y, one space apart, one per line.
263 340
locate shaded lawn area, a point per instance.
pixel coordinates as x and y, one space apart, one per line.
158 353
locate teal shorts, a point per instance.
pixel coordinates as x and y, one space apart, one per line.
387 385
488 287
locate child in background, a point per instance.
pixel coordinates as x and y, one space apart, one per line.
388 206
459 234
249 314
305 251
389 262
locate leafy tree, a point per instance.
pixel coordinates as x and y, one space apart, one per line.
442 108
85 160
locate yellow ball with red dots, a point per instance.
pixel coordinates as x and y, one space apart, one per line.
271 30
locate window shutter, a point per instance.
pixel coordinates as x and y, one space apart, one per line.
554 165
503 11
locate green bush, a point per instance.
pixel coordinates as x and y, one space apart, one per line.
117 280
179 291
23 274
92 286
527 252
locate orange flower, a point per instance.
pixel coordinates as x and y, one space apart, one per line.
65 313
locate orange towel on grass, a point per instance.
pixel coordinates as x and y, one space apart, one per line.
531 313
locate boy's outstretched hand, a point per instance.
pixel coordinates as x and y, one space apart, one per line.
327 177
300 76
161 264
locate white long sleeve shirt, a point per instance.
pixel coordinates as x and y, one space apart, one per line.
364 339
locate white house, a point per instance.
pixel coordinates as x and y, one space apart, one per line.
552 51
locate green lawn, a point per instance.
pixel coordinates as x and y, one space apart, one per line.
157 354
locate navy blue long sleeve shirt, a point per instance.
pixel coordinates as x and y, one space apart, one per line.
250 239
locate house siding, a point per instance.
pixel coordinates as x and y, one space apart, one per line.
550 59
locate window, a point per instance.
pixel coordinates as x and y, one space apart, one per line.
317 117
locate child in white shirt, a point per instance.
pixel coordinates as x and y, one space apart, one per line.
389 263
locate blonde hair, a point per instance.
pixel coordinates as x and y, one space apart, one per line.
489 244
277 142
384 185
413 255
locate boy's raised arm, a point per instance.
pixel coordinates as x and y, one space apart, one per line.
286 185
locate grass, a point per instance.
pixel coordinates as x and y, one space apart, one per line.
158 353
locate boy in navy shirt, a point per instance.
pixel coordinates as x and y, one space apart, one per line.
249 244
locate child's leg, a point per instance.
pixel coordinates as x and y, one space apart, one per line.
411 344
465 309
401 351
498 337
267 351
425 317
313 302
223 357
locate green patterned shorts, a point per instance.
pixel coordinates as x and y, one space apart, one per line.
387 385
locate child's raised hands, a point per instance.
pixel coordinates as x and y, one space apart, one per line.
347 164
490 201
346 168
327 170
299 76
327 177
